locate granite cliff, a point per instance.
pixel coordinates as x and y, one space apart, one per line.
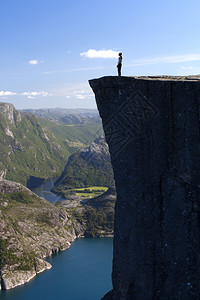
152 127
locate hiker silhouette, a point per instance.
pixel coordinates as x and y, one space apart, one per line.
119 65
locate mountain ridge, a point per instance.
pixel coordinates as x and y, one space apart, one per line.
33 148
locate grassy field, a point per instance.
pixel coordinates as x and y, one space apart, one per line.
89 192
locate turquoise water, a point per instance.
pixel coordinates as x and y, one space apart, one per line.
83 272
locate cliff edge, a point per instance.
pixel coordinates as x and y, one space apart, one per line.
152 127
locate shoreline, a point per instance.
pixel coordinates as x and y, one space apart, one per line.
26 276
11 278
19 278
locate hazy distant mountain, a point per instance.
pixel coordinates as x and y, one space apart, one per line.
67 116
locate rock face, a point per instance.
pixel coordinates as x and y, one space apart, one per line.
11 278
10 113
152 127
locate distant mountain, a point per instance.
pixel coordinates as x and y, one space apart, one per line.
75 131
88 167
67 116
32 147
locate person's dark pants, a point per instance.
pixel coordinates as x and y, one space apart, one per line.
119 66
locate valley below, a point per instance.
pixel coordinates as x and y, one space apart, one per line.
79 203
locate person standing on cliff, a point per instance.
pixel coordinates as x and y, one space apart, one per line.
119 65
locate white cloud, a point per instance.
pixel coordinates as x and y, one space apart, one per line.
30 95
33 62
34 94
6 93
91 53
78 91
80 96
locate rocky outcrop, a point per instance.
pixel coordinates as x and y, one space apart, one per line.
11 114
152 128
31 228
10 278
9 187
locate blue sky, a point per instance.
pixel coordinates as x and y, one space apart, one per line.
45 50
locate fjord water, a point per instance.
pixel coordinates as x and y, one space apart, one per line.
44 190
83 272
